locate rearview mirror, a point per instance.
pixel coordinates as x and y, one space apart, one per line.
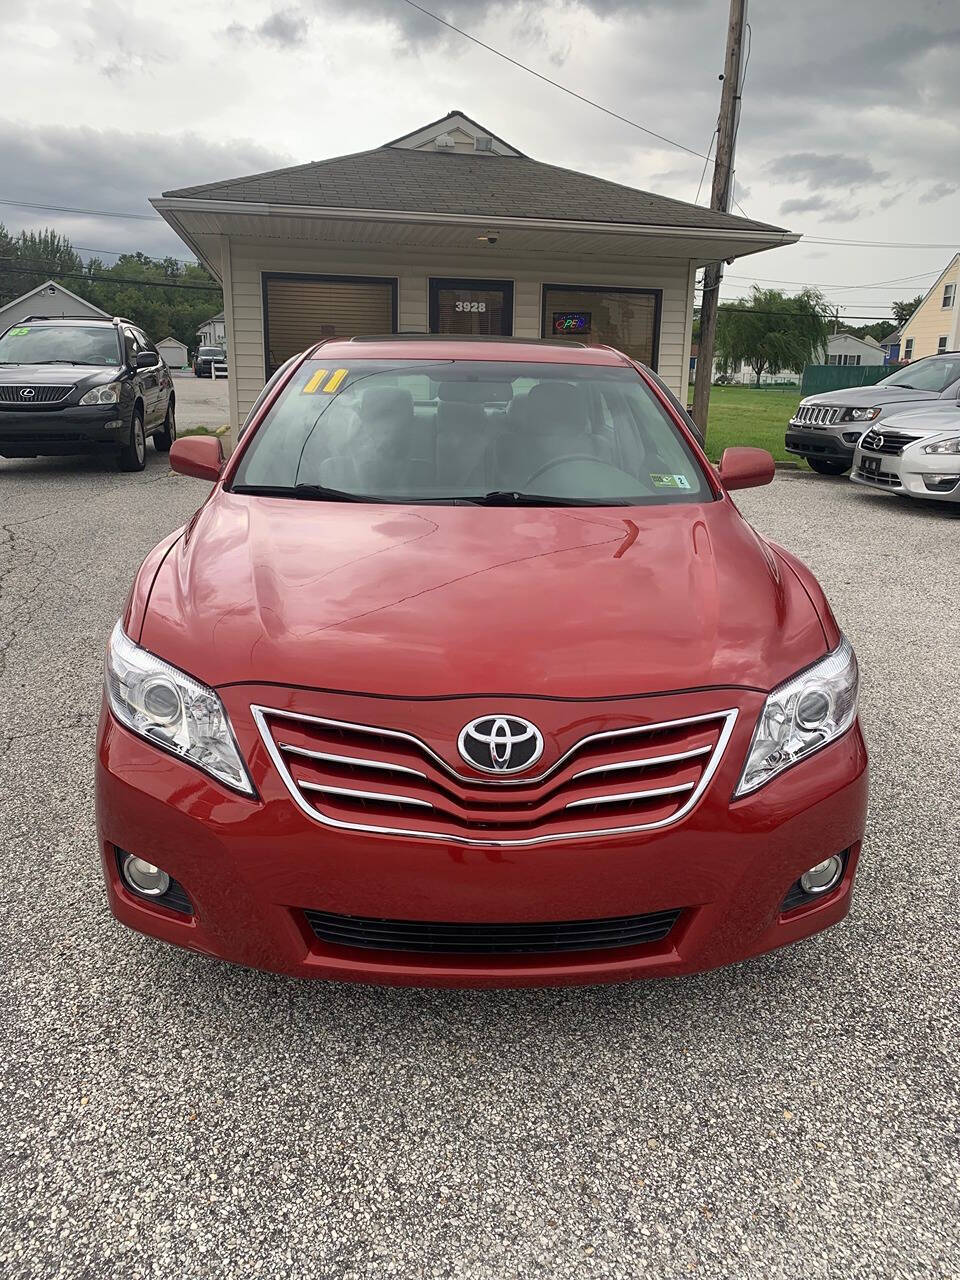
147 359
745 468
198 456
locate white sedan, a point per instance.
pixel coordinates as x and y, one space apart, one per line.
914 454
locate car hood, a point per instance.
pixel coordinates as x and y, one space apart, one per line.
933 419
442 600
55 374
864 397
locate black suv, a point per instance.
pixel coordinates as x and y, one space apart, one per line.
76 386
205 359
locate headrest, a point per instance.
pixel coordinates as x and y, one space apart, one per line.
386 407
554 406
475 392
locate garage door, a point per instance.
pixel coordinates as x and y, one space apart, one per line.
300 310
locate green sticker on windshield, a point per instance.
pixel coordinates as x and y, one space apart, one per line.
660 481
17 333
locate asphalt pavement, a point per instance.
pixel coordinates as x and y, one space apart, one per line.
169 1116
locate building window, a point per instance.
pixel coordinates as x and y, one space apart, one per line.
941 345
908 349
628 319
949 294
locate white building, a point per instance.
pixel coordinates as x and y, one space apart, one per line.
452 230
213 332
174 352
844 348
48 299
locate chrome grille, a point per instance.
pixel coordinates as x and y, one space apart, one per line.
889 442
368 778
39 394
817 415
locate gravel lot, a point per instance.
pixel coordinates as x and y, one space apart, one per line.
168 1116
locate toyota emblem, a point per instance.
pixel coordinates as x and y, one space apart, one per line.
500 743
27 393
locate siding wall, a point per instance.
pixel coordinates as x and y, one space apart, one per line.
931 320
248 259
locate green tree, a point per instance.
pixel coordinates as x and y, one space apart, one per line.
772 332
904 309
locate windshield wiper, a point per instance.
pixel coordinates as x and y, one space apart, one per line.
515 498
307 492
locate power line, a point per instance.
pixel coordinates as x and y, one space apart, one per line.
880 244
81 275
89 213
555 83
706 160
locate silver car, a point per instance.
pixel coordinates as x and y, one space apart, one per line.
914 454
825 428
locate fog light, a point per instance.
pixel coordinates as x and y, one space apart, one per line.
143 877
823 877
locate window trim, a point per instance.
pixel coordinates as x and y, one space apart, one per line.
942 344
436 283
951 288
908 349
656 294
323 278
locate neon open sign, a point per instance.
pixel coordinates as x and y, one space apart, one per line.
570 322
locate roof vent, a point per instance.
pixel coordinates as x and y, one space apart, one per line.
445 142
483 142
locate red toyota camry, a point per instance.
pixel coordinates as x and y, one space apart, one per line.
469 672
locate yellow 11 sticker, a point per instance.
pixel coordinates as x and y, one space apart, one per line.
336 378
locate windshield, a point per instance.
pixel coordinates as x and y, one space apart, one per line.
933 374
471 430
216 352
60 344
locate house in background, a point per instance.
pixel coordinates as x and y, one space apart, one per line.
174 352
48 299
891 346
845 348
213 332
935 325
451 230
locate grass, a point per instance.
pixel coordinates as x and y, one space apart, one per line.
201 431
746 415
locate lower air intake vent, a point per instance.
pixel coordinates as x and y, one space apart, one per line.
490 939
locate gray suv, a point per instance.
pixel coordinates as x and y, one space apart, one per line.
825 428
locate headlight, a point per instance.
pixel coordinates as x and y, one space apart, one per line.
863 415
802 715
944 446
108 394
173 711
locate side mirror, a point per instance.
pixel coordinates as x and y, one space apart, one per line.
147 359
745 468
199 456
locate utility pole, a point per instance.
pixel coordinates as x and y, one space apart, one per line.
721 195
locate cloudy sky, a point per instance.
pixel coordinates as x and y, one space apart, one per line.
850 127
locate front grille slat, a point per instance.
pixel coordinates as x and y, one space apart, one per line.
40 394
372 778
469 938
891 443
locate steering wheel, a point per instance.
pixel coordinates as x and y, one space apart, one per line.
559 462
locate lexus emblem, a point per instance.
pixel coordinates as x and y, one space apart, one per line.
500 743
27 393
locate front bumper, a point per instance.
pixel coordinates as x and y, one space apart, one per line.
253 868
827 443
913 472
76 429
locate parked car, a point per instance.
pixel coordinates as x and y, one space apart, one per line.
914 455
204 359
825 428
81 386
469 672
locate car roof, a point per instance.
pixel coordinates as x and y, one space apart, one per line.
402 346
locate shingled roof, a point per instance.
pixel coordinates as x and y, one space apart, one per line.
482 186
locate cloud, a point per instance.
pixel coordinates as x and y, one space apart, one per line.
803 204
939 191
286 28
833 170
